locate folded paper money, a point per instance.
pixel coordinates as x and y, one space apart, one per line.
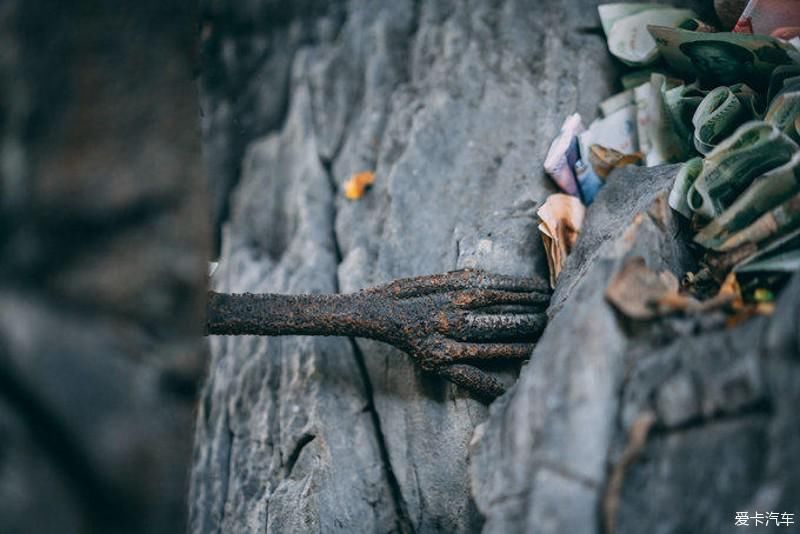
560 160
561 219
721 58
727 104
625 26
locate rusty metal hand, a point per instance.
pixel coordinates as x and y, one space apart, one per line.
446 322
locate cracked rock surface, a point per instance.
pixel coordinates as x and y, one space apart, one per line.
449 105
453 106
559 452
103 266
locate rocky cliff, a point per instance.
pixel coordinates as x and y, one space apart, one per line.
453 105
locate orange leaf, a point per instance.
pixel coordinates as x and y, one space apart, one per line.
355 187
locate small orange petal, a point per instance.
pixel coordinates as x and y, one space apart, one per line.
358 183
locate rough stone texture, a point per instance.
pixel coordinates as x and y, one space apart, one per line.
286 435
103 268
449 104
720 399
453 105
731 448
249 48
555 429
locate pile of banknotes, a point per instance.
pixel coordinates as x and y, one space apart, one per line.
725 103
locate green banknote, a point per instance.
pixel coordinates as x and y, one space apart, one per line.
784 109
777 222
766 192
720 112
778 78
669 129
779 255
753 149
683 182
722 58
625 26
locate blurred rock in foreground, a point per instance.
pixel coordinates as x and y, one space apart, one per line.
103 234
453 106
717 405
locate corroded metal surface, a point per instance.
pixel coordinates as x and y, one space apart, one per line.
447 322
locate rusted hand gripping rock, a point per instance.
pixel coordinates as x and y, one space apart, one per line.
446 322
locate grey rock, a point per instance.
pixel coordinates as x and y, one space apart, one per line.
732 455
103 233
247 50
720 397
453 106
559 417
708 471
286 437
676 400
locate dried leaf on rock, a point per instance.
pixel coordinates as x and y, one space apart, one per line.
604 159
356 186
637 291
561 219
641 293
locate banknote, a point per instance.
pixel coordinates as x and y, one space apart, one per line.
779 255
797 128
665 144
785 261
616 102
720 112
794 52
697 25
778 18
766 192
774 223
561 220
784 112
589 182
721 58
670 130
635 78
626 29
754 148
611 13
779 77
617 131
683 181
562 155
784 109
641 97
750 99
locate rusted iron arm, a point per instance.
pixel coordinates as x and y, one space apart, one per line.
446 322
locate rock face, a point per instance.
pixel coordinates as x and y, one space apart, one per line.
543 452
668 426
453 106
103 270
